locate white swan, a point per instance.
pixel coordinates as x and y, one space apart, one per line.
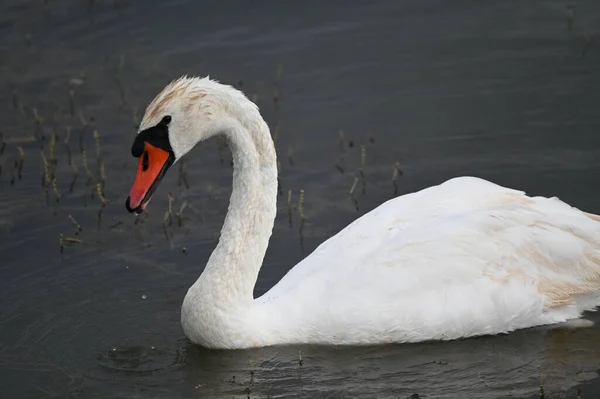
464 258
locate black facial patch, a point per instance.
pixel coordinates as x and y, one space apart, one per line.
158 136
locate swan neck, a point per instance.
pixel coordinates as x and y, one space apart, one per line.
232 270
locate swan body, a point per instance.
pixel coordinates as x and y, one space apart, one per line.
463 258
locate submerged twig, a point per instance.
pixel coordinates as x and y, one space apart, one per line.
39 123
45 177
169 213
587 40
289 203
168 235
353 185
251 382
103 204
352 197
85 165
55 189
116 223
302 218
72 240
82 119
77 225
52 149
20 162
301 205
180 214
363 156
2 143
101 172
122 91
46 174
71 161
397 172
38 119
99 192
72 185
97 140
570 17
183 174
67 240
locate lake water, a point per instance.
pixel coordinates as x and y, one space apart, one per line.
503 90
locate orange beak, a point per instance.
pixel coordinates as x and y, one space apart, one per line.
152 166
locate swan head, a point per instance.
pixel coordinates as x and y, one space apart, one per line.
185 112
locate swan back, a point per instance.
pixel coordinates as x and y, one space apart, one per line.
467 257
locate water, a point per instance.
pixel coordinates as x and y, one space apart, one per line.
500 90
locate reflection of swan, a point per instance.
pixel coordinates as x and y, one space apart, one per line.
509 366
463 258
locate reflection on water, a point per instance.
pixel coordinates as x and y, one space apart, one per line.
481 367
90 297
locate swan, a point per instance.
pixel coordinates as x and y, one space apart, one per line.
464 258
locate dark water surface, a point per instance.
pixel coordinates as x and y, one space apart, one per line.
504 90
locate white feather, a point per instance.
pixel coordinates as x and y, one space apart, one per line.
464 258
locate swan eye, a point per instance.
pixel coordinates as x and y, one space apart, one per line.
166 119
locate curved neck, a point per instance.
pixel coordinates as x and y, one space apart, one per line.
232 269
